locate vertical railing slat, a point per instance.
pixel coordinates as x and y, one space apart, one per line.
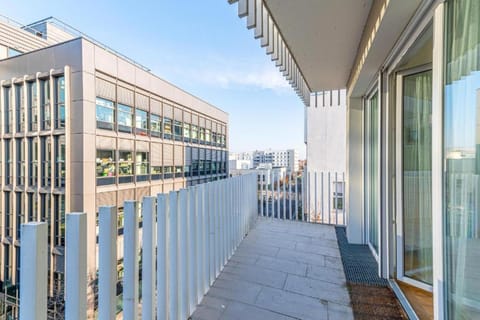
33 271
75 266
107 262
148 258
183 207
162 250
172 255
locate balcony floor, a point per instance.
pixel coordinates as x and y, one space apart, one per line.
281 270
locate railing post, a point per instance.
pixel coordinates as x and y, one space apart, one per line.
192 256
272 187
336 198
172 255
75 266
303 196
130 261
148 258
343 200
309 196
322 197
183 207
284 176
107 253
162 268
296 199
315 196
210 189
33 271
328 197
290 196
200 243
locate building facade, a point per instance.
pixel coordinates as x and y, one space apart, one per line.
83 127
278 158
411 72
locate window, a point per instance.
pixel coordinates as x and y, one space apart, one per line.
141 122
8 110
32 206
20 170
45 113
156 172
178 128
187 171
194 133
208 136
19 109
8 162
178 171
59 220
186 132
45 206
59 102
214 138
168 172
32 106
105 113
167 128
125 118
202 135
19 212
33 161
46 156
60 161
141 165
8 203
125 166
105 167
155 125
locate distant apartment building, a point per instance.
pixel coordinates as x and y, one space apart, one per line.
278 158
83 126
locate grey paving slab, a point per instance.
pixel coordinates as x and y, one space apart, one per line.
241 311
291 304
283 265
282 270
254 274
318 289
332 275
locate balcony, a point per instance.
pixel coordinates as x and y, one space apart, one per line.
229 249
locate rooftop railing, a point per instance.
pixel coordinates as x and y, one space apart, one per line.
189 235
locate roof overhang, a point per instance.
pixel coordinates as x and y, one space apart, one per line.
323 44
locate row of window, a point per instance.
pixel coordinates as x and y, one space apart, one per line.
127 166
124 118
37 159
39 113
35 211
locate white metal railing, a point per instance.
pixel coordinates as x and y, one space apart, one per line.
310 196
188 234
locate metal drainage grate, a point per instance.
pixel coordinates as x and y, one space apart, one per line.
358 262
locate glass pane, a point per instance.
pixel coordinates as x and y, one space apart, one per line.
417 176
462 153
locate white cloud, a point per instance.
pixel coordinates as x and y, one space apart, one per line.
264 78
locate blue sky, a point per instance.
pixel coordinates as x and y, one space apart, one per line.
201 46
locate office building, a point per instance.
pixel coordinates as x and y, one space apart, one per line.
278 158
83 126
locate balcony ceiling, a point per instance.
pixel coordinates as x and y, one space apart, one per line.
323 36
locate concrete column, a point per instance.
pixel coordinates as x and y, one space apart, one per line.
148 258
107 258
354 180
33 271
76 266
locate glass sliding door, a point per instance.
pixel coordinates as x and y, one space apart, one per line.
417 176
462 158
372 169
